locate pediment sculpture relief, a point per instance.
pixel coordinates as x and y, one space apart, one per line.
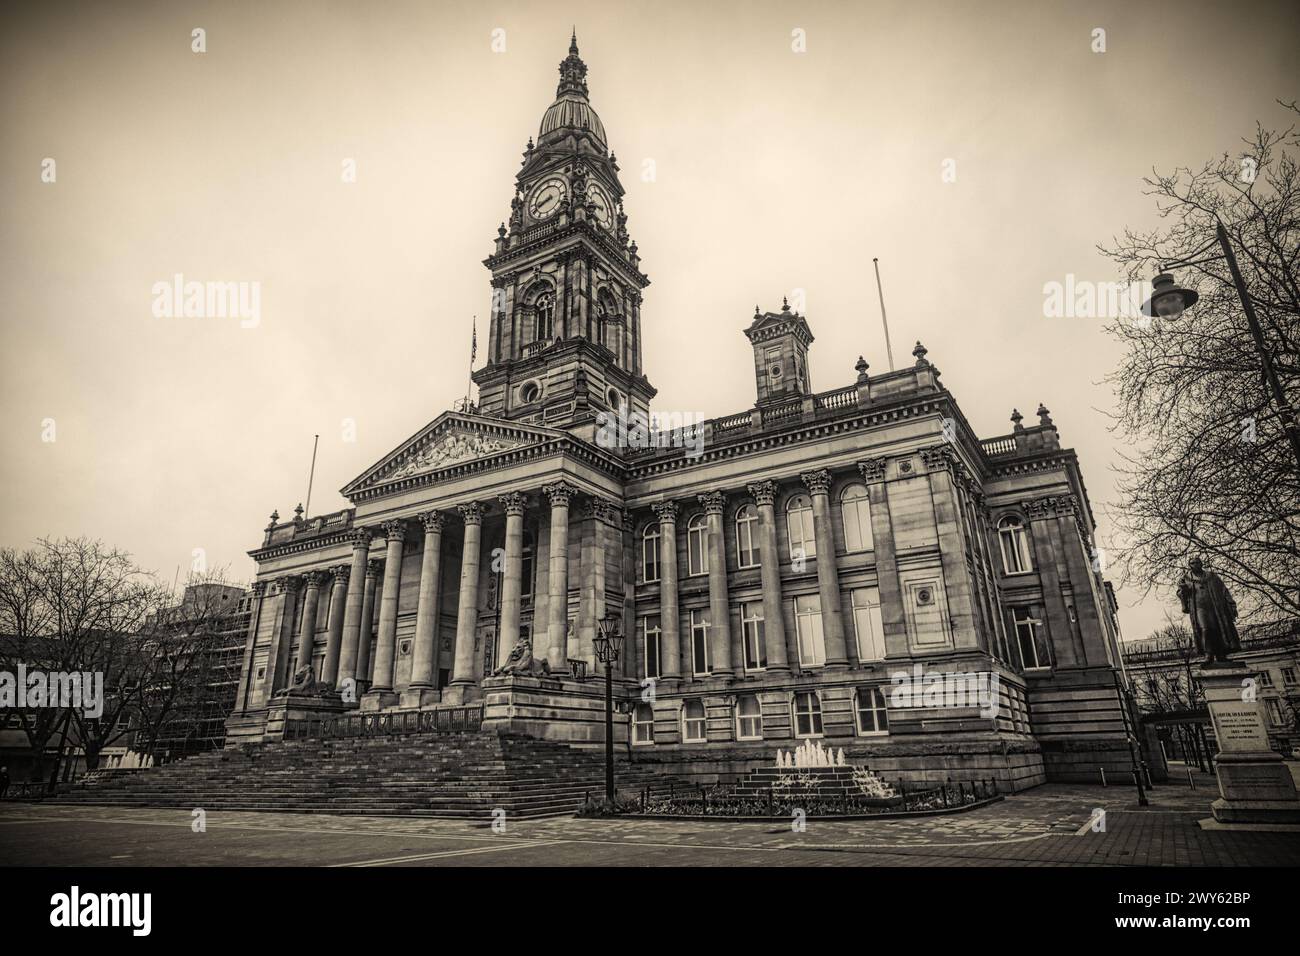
452 448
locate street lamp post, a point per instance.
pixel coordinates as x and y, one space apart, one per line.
608 647
1169 300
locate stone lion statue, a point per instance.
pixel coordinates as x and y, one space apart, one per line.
304 685
521 661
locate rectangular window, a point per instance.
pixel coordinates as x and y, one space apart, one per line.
1265 678
1288 675
700 658
807 714
527 571
1033 639
873 718
751 626
650 555
650 634
643 724
868 627
808 625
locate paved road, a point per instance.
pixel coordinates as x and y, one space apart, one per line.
1050 825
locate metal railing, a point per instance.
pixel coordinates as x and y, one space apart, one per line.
465 718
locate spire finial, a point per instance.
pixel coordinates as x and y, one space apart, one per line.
573 41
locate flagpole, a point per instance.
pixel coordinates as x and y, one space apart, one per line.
473 352
883 321
311 477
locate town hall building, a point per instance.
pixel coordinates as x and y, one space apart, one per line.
779 573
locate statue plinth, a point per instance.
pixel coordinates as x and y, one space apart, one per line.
1255 784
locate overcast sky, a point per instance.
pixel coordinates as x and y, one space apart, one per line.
774 171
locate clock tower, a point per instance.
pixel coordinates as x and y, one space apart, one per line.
564 340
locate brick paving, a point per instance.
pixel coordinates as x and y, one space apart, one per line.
1050 825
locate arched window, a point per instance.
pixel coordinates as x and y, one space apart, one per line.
873 717
749 720
807 714
799 525
747 537
697 545
643 724
600 324
545 317
693 731
1015 545
650 553
855 509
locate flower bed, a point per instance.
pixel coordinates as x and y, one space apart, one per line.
798 795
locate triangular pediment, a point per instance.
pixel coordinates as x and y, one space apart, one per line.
453 438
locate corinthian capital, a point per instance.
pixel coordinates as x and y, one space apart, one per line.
560 492
873 469
360 538
818 482
258 588
341 574
395 530
713 501
764 492
665 511
513 502
471 512
432 521
373 569
314 579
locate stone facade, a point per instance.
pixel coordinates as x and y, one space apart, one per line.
773 569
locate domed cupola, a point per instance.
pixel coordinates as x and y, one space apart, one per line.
571 111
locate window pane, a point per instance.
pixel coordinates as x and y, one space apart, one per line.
808 626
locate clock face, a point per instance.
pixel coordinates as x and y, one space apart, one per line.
547 197
604 215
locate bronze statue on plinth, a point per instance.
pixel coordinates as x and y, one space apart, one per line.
1205 598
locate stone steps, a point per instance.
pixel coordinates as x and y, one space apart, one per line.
452 775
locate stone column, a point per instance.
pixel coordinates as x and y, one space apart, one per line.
386 651
512 584
287 589
719 605
828 578
628 664
254 622
557 628
670 668
427 611
366 630
943 468
334 640
874 472
467 610
349 655
778 655
307 630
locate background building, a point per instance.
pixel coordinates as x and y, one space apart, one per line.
1163 671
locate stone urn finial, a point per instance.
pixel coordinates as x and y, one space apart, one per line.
1016 419
920 352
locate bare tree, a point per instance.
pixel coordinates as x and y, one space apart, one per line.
75 605
1210 470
